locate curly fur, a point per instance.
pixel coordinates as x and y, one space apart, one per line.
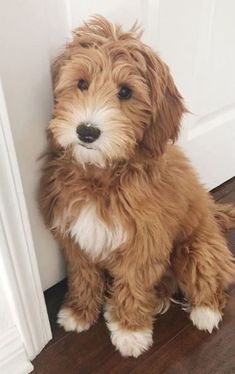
134 178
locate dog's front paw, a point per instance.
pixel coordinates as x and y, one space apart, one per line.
128 342
205 318
70 322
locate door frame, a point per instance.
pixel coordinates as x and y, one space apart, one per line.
19 268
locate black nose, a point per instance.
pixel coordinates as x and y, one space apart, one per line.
87 133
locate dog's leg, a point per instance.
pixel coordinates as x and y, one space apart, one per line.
129 316
130 310
85 290
204 267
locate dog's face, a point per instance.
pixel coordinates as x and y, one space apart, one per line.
114 97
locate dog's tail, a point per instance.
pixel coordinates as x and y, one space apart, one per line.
225 216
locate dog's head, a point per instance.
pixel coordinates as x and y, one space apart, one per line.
113 96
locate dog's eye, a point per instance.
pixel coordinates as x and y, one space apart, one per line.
83 85
124 93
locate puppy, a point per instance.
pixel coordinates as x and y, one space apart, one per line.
119 196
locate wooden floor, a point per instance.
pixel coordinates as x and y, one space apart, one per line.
178 346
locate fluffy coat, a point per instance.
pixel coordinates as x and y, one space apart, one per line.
131 204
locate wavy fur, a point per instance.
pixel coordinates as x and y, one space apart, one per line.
133 177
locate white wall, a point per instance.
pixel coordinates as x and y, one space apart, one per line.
25 73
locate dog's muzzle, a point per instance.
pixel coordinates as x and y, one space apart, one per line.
87 133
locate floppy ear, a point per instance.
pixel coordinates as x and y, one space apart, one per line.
167 106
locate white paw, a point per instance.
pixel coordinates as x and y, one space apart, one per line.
129 343
205 318
66 319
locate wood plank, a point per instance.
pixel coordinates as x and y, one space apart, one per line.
92 351
224 189
54 298
196 352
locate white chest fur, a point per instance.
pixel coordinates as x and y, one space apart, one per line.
94 236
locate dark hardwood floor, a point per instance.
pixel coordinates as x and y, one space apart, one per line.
178 346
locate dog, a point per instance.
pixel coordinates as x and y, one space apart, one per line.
120 197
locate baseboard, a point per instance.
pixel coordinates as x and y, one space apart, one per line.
13 358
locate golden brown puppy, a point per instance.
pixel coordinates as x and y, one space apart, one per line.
119 197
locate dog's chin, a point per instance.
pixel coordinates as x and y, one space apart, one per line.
85 146
87 154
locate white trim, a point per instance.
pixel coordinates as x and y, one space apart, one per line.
13 358
17 249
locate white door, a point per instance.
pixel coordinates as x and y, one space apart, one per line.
196 38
